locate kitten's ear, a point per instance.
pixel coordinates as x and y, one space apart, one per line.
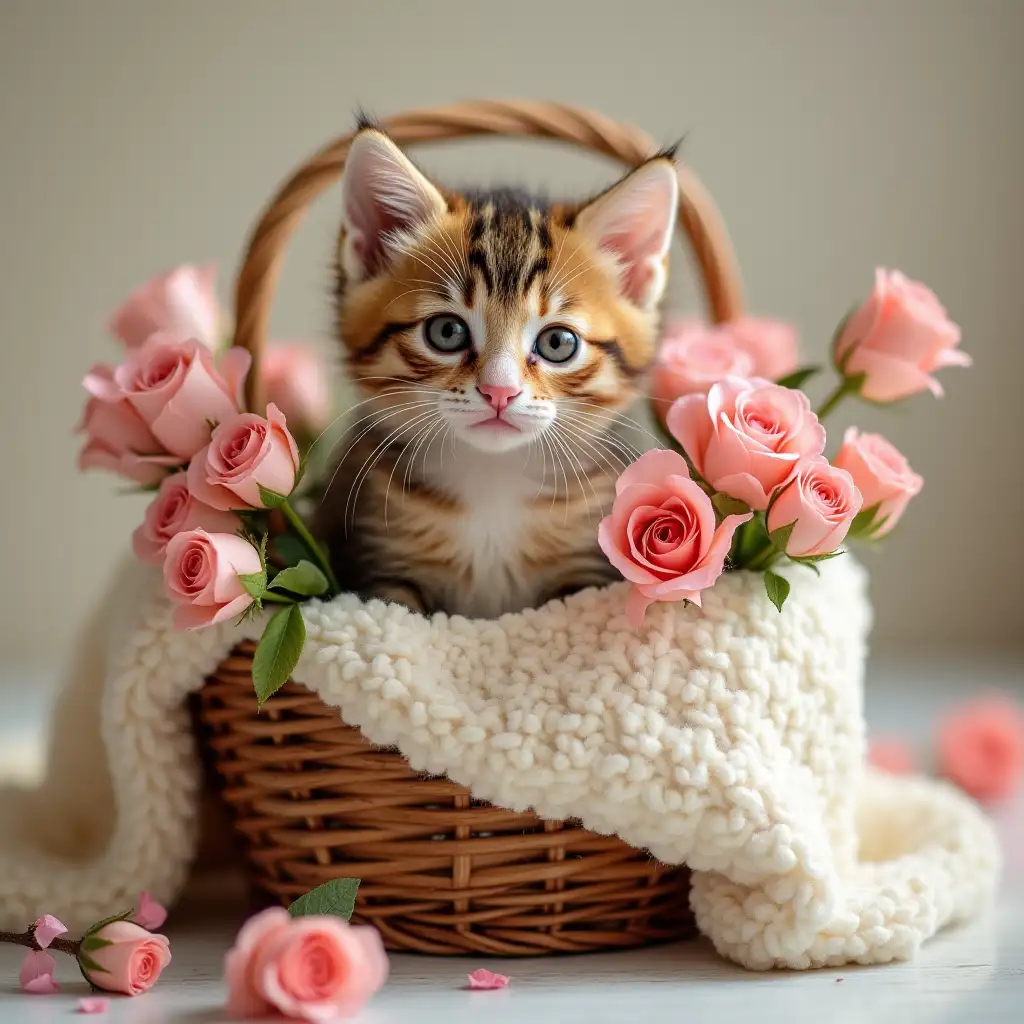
634 221
383 196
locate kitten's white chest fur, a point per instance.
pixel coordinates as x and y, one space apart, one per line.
497 492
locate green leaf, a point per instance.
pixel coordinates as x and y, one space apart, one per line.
794 380
255 583
271 499
92 929
726 506
86 962
864 524
92 942
290 548
278 651
840 364
776 587
811 559
780 537
336 897
305 579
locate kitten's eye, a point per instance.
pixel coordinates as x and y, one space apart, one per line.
447 333
556 344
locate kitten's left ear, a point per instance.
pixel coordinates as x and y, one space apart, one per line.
634 221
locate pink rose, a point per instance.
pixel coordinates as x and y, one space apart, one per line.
980 747
882 475
897 339
307 968
116 437
692 357
770 343
661 534
182 302
745 437
178 390
295 380
245 453
175 511
201 573
821 502
127 958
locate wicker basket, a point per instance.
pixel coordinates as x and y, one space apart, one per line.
313 800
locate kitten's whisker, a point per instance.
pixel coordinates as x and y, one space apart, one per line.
594 444
606 440
382 414
560 271
453 247
639 427
585 265
428 260
436 250
411 291
414 443
566 436
573 463
405 380
348 412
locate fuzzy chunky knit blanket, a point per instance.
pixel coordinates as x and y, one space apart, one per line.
730 738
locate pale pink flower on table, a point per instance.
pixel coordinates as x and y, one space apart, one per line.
130 959
174 510
201 573
890 754
484 980
746 437
245 453
883 476
693 356
821 503
182 301
980 747
46 929
37 974
295 379
117 438
150 914
312 968
177 389
93 1004
898 338
662 534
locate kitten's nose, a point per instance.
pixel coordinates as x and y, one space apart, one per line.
499 395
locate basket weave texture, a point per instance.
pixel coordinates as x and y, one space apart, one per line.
312 800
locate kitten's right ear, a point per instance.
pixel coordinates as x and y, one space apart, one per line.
383 196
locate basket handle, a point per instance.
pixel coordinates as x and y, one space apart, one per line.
698 215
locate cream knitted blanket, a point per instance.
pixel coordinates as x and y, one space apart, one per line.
730 738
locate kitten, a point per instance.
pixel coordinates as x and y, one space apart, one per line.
495 342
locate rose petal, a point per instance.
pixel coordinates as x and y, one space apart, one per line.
46 929
652 468
483 979
36 974
93 1004
151 914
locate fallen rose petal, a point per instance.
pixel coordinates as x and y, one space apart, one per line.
46 929
484 979
36 974
93 1004
150 914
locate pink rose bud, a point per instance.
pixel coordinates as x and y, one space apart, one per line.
305 968
980 747
201 573
150 914
182 302
116 437
821 503
661 534
745 437
882 475
897 339
175 511
46 929
179 392
126 958
295 379
890 754
692 357
246 453
36 974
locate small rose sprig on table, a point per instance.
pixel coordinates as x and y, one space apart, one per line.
223 522
118 954
745 483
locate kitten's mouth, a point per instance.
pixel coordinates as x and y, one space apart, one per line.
495 423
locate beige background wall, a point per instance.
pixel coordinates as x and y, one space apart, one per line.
835 135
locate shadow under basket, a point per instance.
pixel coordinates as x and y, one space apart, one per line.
441 872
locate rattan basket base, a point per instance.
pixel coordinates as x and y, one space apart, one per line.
441 873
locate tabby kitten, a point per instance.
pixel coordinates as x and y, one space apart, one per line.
495 341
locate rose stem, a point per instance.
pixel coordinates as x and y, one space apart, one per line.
314 548
28 938
847 386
